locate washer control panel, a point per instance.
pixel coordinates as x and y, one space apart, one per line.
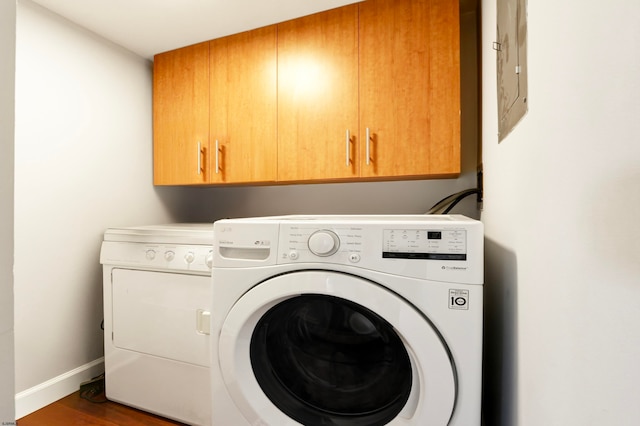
445 248
336 244
395 243
438 244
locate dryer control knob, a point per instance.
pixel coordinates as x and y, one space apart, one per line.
323 243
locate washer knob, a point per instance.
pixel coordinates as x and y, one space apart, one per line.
189 257
169 255
323 243
209 259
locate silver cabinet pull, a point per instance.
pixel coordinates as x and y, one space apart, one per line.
348 148
368 150
199 158
217 157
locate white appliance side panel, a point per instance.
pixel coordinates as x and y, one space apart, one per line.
167 388
162 314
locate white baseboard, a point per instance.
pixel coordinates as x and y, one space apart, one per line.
52 390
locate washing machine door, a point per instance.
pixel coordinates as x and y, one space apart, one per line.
328 348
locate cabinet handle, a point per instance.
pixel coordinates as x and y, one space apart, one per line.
217 157
348 150
368 150
199 158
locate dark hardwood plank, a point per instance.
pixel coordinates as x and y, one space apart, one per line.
76 411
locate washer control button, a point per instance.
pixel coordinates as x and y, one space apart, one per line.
354 257
323 243
293 255
150 254
189 257
169 255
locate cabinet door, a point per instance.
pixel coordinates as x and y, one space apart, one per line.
318 96
410 88
181 116
243 107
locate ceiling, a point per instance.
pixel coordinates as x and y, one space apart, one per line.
147 27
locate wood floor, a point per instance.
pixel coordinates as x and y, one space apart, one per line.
76 411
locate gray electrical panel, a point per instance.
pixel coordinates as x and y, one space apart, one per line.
511 48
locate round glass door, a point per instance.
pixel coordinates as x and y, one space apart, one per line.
325 360
323 347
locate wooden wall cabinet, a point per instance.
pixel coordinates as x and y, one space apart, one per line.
362 92
181 116
318 96
243 107
409 88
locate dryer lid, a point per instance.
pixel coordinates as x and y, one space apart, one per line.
174 233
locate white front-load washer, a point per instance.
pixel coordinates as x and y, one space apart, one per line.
157 304
347 320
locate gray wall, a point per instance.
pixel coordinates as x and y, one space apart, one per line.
7 78
83 156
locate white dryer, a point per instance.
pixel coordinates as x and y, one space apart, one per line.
347 320
157 300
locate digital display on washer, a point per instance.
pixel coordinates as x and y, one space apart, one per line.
434 235
436 244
